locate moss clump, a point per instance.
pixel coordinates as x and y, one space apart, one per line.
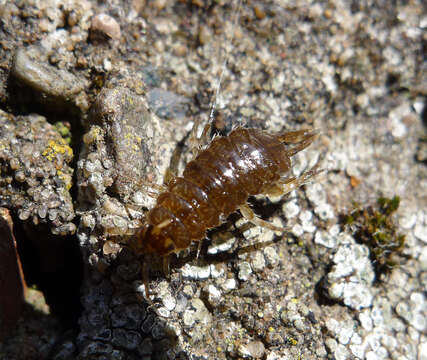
64 129
374 227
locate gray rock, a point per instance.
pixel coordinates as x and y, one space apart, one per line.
35 154
56 89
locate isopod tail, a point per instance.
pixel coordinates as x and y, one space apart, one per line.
300 138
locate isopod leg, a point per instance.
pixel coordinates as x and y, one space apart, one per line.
285 186
154 186
166 263
145 278
196 143
295 137
249 215
301 139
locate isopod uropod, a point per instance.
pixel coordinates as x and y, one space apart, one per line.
217 182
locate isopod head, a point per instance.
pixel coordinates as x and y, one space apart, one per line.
150 239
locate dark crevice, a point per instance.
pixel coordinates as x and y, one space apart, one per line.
54 265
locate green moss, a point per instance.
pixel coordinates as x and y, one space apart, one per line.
64 130
374 227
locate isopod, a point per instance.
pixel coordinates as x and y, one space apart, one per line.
217 182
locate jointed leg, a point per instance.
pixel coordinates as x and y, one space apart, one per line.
285 186
196 143
302 139
249 215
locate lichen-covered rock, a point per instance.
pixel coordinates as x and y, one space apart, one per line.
351 278
115 161
33 79
354 72
36 174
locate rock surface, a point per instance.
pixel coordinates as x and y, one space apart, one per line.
354 72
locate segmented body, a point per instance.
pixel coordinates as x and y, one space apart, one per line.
215 184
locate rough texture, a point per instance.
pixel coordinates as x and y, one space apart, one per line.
353 70
36 176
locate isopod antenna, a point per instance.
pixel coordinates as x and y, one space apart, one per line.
236 13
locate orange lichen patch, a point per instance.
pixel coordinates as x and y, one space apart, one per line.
354 181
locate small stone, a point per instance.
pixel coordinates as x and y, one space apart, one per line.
365 320
351 276
299 325
346 331
252 350
196 272
166 104
291 209
52 87
306 221
163 311
297 230
104 27
169 301
188 317
218 245
244 271
419 322
258 261
422 350
331 344
341 353
214 295
271 256
201 314
205 35
229 284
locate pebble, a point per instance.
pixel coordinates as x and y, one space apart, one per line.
214 295
408 221
252 350
51 85
196 272
104 27
341 353
365 320
422 350
229 284
291 209
166 104
306 223
244 271
257 261
297 230
271 256
218 245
